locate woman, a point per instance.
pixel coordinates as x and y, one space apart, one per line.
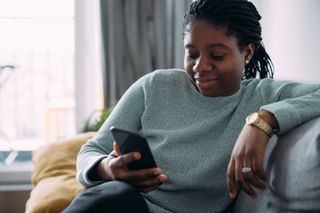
194 120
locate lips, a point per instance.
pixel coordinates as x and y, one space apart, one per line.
205 82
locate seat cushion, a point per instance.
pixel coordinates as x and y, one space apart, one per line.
53 178
292 164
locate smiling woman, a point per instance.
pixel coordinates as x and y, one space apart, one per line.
213 60
195 122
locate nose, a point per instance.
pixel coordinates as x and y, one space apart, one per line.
202 64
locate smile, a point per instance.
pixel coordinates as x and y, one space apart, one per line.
206 83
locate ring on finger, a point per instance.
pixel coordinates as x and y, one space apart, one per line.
246 170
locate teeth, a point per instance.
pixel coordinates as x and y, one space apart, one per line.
196 75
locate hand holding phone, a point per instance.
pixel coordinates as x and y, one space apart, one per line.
129 141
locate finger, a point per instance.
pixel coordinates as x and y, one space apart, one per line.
147 183
241 181
148 189
113 154
232 185
151 184
251 178
116 149
133 176
122 161
163 178
257 164
142 174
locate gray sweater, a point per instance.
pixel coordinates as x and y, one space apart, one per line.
192 136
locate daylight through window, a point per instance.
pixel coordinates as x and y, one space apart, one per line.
36 72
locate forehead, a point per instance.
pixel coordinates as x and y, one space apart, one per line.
202 33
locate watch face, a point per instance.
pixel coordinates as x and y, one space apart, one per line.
252 118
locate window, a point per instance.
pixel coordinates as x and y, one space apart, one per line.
36 72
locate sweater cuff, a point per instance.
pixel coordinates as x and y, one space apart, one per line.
82 176
286 115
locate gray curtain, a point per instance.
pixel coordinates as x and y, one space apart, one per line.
139 36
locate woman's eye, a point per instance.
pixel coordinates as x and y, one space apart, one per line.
192 57
218 57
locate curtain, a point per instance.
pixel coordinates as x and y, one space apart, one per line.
138 37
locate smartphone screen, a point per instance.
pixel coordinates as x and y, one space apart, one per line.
129 141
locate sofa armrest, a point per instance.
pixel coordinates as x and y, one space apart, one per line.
292 164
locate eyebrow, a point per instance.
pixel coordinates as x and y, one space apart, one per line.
217 45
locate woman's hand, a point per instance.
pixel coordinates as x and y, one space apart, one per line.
247 152
115 167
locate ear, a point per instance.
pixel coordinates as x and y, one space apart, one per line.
248 52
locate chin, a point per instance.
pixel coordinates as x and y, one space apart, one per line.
210 94
214 93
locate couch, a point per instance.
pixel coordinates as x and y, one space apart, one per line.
292 164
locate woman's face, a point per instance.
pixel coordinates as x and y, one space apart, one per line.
213 60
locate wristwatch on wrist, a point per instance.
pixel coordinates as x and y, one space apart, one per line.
255 120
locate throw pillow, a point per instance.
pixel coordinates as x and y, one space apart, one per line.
54 175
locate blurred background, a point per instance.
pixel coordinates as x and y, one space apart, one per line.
63 60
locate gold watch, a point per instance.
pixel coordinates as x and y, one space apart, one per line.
255 120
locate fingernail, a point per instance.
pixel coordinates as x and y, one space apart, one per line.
163 178
137 155
232 195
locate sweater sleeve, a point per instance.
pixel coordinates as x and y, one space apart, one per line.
291 103
127 115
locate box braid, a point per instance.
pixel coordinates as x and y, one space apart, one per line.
242 20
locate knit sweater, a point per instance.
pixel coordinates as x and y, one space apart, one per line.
192 136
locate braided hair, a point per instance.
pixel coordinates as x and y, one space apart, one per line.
242 20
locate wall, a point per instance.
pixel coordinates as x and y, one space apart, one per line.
291 35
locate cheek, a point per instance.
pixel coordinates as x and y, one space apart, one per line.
239 67
235 68
230 73
188 67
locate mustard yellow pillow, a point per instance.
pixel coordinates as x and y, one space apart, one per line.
54 175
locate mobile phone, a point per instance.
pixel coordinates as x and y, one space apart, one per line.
129 141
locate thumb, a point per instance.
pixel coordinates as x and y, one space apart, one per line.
116 149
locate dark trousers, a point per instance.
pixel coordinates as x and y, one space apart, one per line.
109 197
